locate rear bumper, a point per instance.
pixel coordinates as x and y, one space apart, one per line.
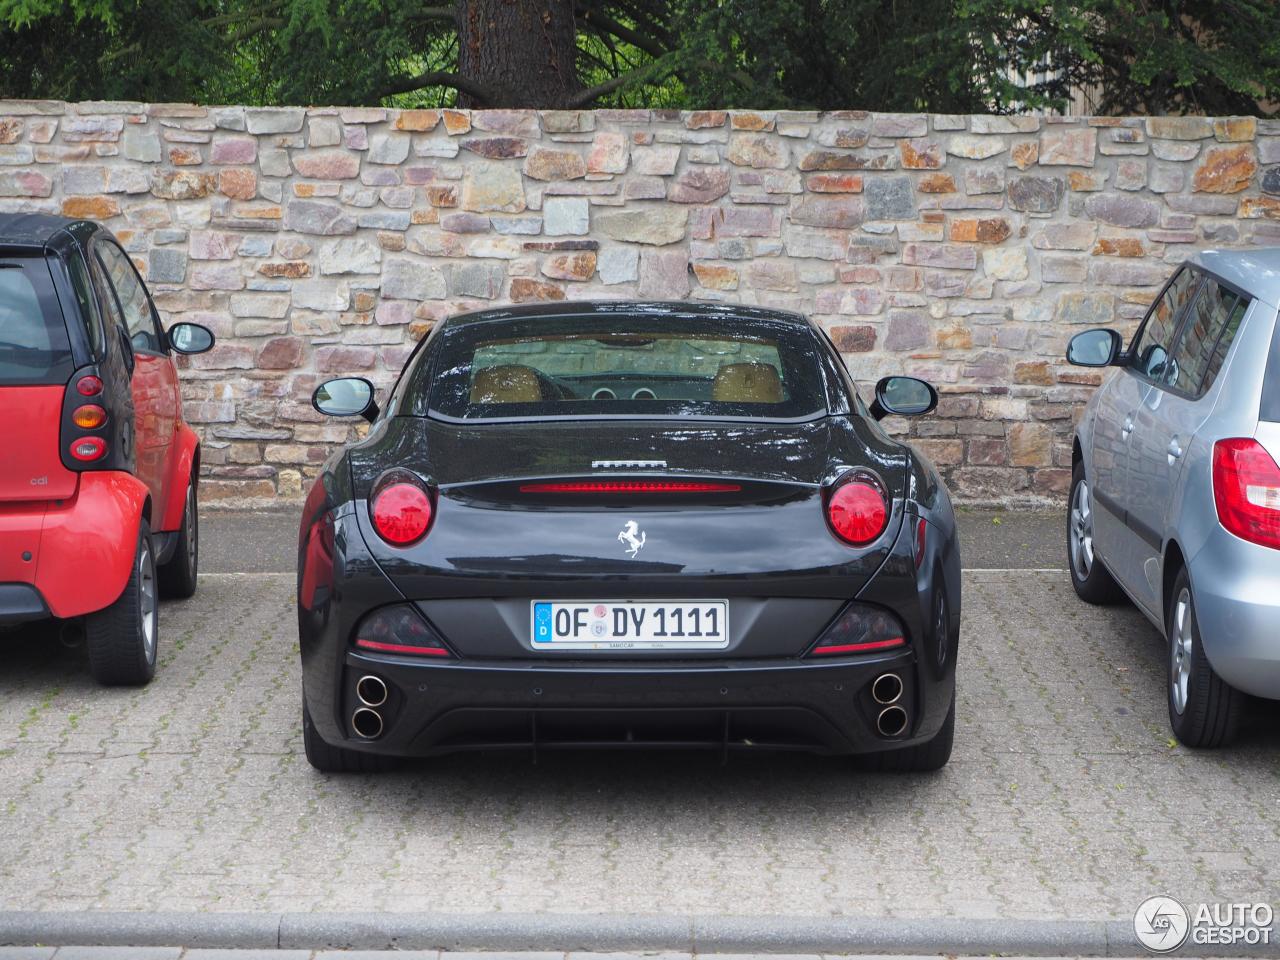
823 707
75 554
1238 611
21 603
731 702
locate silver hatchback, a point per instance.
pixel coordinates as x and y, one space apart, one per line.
1175 488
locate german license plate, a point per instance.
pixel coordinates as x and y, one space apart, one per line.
630 625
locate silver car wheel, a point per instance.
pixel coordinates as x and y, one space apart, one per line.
1081 532
147 600
1181 647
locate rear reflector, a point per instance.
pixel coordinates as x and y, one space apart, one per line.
860 628
89 417
399 629
886 644
630 486
89 448
1246 490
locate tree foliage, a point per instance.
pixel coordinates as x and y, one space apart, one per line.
1128 56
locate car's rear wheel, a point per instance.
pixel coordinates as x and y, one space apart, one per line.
1092 580
1204 710
122 639
330 759
924 757
178 576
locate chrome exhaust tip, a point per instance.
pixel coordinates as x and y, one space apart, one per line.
367 723
886 689
371 690
892 722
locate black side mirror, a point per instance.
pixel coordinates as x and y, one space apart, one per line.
903 397
1095 348
346 397
190 338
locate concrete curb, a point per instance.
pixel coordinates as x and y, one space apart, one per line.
584 932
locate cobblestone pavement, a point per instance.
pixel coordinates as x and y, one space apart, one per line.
1064 799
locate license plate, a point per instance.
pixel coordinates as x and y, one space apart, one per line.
631 625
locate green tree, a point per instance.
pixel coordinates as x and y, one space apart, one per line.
1156 56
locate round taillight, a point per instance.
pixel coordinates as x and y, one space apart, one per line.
89 386
401 513
857 512
89 448
89 417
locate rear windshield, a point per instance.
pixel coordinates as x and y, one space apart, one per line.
627 366
34 349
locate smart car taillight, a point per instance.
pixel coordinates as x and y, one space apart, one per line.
1246 490
860 628
857 509
401 512
87 449
89 386
399 629
89 417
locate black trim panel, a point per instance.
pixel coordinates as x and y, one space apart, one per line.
21 603
1145 533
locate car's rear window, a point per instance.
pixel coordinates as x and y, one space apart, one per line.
34 349
626 366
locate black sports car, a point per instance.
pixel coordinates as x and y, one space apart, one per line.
627 524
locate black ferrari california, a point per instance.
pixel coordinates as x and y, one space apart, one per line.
627 525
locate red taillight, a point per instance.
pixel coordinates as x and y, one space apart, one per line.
401 513
630 486
89 448
1246 490
857 511
399 629
860 628
89 386
89 417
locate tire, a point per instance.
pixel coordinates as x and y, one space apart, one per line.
330 759
122 639
1204 710
178 576
1092 580
927 757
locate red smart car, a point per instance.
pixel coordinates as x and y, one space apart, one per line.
98 470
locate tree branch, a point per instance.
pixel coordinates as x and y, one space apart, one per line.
649 73
437 78
434 13
602 21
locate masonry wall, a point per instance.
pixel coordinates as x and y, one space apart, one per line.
962 249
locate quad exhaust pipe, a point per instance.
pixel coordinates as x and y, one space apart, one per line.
367 723
892 722
886 689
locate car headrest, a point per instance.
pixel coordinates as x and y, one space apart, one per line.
747 383
506 383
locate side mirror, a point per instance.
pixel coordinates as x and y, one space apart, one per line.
904 397
346 397
1094 348
190 338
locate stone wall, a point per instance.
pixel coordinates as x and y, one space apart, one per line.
963 249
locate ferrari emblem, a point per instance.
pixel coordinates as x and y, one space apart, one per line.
629 536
